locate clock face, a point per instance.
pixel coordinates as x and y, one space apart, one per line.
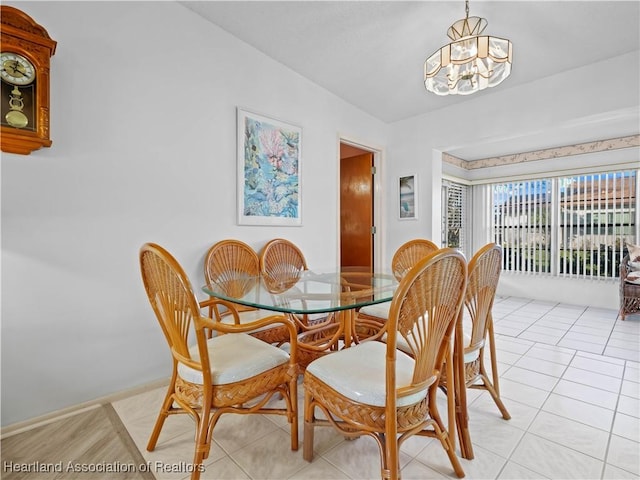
16 69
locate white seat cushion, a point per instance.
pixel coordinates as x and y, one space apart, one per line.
234 357
633 277
467 328
469 356
380 310
359 373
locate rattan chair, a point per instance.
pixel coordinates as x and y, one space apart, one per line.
281 263
629 292
371 319
484 273
234 265
376 389
231 373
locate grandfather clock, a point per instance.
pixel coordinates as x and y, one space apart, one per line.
25 51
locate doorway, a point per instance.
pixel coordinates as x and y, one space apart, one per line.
356 207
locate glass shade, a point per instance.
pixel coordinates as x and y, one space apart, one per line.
468 65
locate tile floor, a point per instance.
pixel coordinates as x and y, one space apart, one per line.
570 377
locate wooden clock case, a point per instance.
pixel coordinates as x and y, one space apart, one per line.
20 34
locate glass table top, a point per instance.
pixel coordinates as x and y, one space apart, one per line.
308 292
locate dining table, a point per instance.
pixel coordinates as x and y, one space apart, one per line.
324 305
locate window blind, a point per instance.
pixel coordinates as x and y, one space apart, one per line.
571 226
455 213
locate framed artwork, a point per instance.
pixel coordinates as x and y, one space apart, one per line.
269 188
408 197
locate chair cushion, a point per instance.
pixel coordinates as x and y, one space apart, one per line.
473 355
380 310
634 266
234 357
634 252
633 277
359 373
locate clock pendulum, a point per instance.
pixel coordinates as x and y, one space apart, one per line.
15 117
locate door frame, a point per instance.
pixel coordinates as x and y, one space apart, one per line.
379 240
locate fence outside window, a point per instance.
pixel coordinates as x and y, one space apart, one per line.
575 226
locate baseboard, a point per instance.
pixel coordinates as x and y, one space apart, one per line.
31 423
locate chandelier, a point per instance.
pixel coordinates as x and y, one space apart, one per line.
471 62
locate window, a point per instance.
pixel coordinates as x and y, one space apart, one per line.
572 226
522 224
454 218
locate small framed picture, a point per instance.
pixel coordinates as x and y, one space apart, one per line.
269 160
408 197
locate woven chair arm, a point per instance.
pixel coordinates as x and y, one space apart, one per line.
250 326
238 327
208 302
417 388
229 308
475 346
189 362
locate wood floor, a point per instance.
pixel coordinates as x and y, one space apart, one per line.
90 445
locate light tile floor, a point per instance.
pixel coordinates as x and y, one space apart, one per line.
570 377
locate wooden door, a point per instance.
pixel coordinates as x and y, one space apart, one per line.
356 210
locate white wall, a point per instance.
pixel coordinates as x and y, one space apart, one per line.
143 122
566 99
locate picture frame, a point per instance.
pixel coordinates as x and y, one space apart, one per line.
269 187
408 197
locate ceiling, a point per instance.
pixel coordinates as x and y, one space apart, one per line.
371 53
